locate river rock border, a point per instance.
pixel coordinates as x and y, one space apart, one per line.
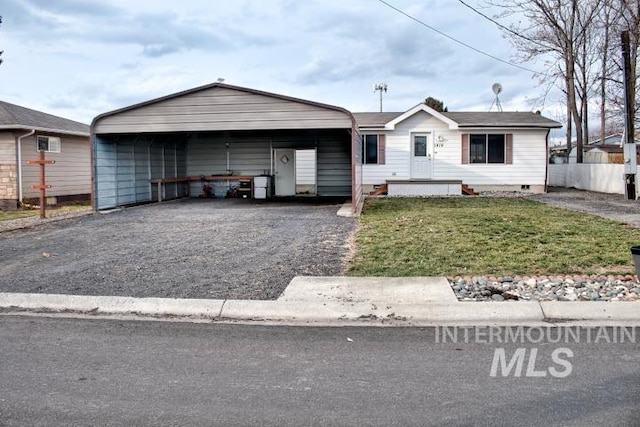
547 288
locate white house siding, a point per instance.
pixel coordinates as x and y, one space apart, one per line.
529 156
71 173
220 108
398 148
528 168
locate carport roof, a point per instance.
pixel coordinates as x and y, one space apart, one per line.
16 117
223 86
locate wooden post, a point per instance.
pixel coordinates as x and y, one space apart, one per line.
42 186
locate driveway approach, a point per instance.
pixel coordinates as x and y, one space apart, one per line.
229 249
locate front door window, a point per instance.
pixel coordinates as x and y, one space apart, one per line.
420 146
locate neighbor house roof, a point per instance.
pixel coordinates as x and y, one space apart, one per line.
16 117
466 119
607 148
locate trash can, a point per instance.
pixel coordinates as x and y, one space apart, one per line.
635 252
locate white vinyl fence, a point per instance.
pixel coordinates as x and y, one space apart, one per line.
604 178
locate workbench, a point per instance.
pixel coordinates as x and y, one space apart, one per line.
187 179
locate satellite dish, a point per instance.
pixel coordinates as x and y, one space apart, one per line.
496 88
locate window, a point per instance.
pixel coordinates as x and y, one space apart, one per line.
373 149
487 148
420 146
370 146
49 144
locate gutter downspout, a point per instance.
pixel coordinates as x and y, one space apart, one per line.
19 149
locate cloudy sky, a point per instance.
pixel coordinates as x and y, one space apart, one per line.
78 58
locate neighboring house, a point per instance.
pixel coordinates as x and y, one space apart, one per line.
25 132
612 154
487 151
608 151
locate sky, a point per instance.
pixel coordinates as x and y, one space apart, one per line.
80 58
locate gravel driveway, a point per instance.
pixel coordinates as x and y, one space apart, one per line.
612 206
184 249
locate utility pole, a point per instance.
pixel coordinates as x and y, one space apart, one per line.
630 152
380 87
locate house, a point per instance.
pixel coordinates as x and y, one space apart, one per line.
608 150
217 137
23 134
422 151
612 154
206 141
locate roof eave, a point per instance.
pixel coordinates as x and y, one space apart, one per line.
507 126
42 129
421 107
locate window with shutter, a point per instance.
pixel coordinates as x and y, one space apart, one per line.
487 148
373 149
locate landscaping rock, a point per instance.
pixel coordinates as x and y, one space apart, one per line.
567 288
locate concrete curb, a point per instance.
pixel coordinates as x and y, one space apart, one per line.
414 301
112 305
571 310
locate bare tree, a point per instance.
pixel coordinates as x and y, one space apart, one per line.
560 31
604 44
625 16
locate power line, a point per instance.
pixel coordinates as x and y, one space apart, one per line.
509 30
456 40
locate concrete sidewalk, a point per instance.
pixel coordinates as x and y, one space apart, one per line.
335 301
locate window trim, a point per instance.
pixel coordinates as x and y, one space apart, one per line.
365 146
507 143
380 148
57 144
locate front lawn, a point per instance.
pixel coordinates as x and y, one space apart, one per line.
487 236
8 215
51 211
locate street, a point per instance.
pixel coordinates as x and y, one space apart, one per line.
63 371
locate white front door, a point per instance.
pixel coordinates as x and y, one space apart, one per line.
421 156
285 171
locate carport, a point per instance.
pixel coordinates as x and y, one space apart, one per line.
172 146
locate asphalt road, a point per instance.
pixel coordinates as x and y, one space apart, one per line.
57 372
